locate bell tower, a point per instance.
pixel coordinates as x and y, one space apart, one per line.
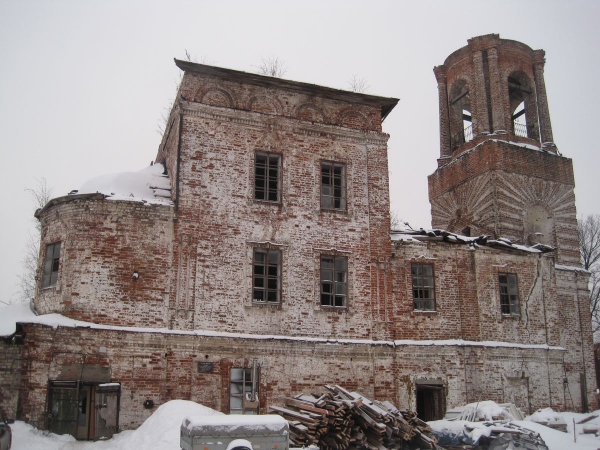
499 171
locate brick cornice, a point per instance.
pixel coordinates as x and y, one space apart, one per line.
278 123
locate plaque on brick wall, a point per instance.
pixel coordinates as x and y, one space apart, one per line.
205 367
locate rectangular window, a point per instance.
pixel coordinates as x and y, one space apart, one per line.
423 287
243 390
267 177
266 278
334 281
509 294
51 265
333 185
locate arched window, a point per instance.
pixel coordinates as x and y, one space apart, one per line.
461 122
522 106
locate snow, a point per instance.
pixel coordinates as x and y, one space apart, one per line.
555 440
237 425
570 268
160 431
12 314
148 185
474 242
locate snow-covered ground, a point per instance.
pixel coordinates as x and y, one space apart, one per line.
161 432
555 440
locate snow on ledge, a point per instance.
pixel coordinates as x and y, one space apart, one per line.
13 314
148 186
571 268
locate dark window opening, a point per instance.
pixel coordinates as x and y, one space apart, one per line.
423 287
333 185
334 281
51 262
509 294
461 121
266 277
431 402
522 106
267 177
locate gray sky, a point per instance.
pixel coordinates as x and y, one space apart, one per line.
83 83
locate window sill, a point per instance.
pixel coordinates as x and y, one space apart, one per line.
47 288
335 210
426 312
267 202
511 316
338 309
264 305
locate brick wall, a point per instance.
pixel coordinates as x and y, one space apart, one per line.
219 223
491 187
102 243
163 367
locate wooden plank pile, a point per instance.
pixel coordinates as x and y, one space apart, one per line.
340 420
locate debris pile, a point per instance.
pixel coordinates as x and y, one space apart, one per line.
340 420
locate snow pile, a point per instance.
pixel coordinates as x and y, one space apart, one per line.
545 416
484 411
148 185
458 432
10 315
159 432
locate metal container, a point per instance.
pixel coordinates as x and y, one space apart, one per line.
255 432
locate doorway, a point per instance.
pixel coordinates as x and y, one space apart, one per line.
431 400
84 410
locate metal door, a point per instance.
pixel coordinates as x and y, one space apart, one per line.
62 407
106 411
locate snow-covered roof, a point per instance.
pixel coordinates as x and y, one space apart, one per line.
149 185
409 235
12 315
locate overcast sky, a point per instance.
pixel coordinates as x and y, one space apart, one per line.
83 84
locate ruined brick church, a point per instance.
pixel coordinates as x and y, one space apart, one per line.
263 266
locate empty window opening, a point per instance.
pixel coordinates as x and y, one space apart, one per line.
51 262
461 121
509 294
423 287
266 279
431 402
267 177
334 281
243 390
333 185
522 107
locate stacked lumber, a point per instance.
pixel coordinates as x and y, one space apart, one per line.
340 420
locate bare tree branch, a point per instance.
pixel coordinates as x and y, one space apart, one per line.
589 240
272 66
358 84
40 195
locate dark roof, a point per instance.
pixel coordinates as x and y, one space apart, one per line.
386 104
473 242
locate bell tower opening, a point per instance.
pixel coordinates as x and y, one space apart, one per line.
461 120
523 115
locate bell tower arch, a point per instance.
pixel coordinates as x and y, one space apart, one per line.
499 171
